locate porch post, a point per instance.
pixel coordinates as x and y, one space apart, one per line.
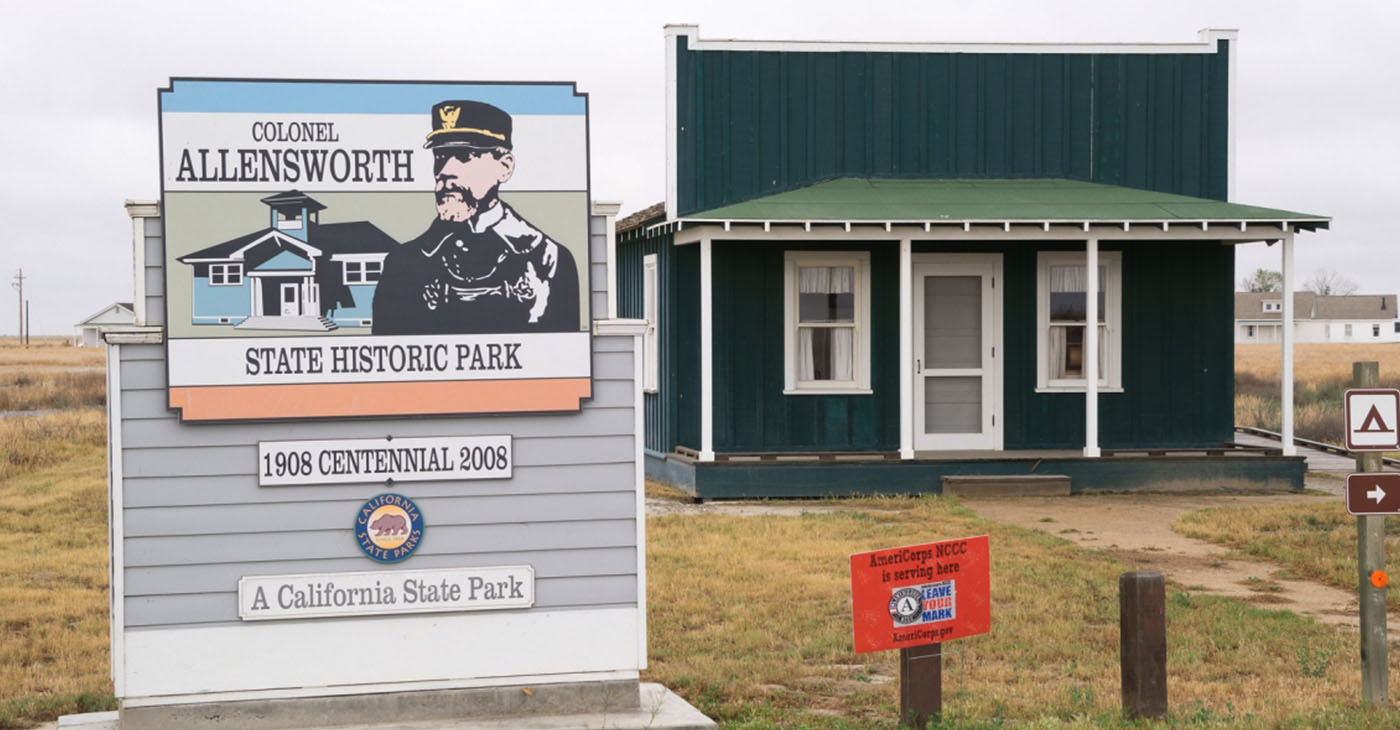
1286 378
1091 349
707 393
906 349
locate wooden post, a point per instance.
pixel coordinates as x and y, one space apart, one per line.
1142 625
1370 557
920 685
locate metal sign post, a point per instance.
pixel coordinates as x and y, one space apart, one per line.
1371 428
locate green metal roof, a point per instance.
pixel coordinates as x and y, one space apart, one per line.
1033 200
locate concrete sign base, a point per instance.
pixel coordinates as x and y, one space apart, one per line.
622 704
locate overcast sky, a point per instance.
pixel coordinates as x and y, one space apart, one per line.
1316 127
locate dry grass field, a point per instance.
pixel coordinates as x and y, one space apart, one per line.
53 588
750 621
51 373
1321 372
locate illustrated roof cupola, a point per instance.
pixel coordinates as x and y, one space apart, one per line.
293 213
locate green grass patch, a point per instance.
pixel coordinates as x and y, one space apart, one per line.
1310 541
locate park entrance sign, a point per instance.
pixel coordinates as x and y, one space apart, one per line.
373 457
352 248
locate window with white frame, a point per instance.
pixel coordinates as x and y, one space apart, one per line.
827 314
225 274
363 272
651 310
1061 314
1346 330
1273 306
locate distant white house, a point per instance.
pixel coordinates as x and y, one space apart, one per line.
89 330
1317 318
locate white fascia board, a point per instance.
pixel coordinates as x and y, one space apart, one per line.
692 230
142 208
1204 44
619 327
134 335
672 118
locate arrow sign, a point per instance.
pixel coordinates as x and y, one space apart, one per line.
1373 494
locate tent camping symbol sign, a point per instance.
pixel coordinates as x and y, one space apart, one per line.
1373 419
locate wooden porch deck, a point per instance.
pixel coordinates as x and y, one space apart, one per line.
829 474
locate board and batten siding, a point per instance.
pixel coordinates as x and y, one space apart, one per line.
1178 383
751 123
194 519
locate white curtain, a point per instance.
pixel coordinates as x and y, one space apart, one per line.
839 359
1072 279
806 360
1057 352
842 352
826 280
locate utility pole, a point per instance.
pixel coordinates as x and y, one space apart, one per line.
19 284
26 323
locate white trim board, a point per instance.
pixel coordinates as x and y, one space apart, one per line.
1230 232
336 656
116 533
1205 43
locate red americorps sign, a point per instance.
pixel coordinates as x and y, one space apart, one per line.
921 594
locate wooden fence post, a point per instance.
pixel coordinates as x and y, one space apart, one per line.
1142 625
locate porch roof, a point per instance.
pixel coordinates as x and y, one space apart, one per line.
1003 202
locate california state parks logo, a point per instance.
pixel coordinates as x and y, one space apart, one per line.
389 527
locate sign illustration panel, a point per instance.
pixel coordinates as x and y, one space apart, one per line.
374 248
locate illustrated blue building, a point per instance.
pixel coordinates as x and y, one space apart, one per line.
296 274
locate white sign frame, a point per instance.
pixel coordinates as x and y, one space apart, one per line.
346 461
1358 403
372 583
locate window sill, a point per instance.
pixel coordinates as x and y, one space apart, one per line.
829 391
1077 389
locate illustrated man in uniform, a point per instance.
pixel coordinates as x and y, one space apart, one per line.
479 267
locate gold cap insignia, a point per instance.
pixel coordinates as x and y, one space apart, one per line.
448 115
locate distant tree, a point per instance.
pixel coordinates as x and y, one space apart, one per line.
1262 280
1327 281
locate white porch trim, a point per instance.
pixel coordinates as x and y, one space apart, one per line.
1091 349
1286 379
906 349
707 374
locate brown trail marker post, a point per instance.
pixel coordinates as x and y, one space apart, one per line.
914 597
1371 417
1142 626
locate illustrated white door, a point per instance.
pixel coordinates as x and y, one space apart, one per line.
957 346
291 300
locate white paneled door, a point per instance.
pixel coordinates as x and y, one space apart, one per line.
957 350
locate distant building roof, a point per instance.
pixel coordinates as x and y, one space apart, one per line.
642 217
124 314
1307 305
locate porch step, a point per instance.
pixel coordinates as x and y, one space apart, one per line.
329 325
1018 485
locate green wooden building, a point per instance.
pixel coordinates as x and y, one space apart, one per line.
870 269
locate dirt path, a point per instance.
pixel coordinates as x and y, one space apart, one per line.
1136 529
